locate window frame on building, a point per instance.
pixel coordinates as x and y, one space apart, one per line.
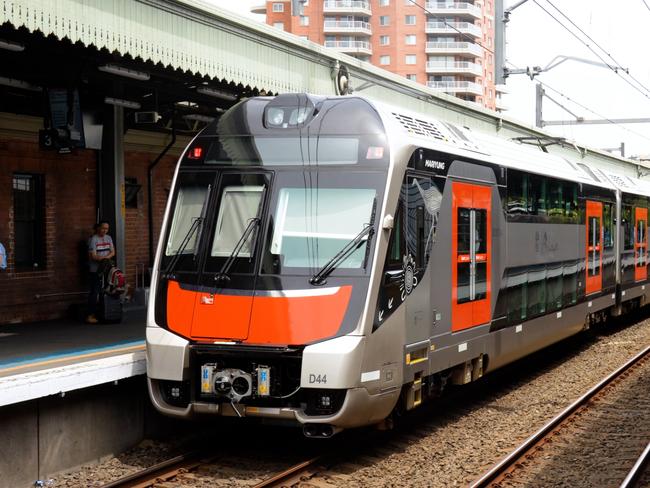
384 57
29 230
277 7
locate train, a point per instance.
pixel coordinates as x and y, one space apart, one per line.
326 262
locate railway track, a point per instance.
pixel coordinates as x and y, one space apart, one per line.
636 474
506 471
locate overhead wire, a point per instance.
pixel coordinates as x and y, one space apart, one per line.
584 107
616 69
646 4
599 46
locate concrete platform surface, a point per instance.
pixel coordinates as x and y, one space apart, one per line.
55 357
42 345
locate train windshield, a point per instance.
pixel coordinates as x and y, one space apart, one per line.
314 217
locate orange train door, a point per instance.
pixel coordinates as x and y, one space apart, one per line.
594 239
640 244
471 255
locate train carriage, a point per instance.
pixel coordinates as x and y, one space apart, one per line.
326 260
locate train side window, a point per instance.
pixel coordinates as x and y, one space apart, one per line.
571 203
537 199
628 228
570 283
517 296
555 200
536 300
608 225
518 201
423 203
397 244
554 288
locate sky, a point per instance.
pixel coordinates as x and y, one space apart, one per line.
534 39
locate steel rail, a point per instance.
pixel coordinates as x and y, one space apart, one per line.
635 474
508 462
294 474
162 471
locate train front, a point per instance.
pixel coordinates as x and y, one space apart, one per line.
262 274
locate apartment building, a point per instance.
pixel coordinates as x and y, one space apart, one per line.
446 45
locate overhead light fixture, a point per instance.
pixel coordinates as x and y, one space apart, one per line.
19 84
126 72
11 46
211 92
199 118
118 102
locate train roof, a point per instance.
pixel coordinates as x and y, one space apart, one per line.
427 132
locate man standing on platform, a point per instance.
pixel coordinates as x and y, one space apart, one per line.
100 247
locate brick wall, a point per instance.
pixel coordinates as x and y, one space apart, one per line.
69 215
70 208
136 221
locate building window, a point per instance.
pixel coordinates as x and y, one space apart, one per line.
384 20
410 59
384 60
410 39
384 40
29 224
412 77
304 20
409 19
278 7
131 190
278 25
384 3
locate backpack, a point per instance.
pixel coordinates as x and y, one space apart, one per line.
114 281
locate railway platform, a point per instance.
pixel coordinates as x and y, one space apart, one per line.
54 357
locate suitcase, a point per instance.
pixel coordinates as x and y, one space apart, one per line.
110 308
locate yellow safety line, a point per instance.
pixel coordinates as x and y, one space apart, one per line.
70 358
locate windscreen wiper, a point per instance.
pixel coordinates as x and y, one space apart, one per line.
174 261
339 257
223 274
196 224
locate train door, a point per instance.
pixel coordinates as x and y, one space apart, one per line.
594 251
640 244
471 255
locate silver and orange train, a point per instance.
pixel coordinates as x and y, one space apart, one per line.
325 261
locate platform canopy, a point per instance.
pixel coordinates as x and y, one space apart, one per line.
195 38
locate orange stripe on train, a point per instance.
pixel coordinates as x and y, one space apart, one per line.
256 320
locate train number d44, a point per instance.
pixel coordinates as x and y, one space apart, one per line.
317 378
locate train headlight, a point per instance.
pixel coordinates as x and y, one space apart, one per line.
275 116
289 111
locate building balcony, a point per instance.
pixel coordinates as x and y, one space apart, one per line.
448 48
454 9
459 67
351 47
359 7
347 27
455 87
451 28
259 9
500 104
